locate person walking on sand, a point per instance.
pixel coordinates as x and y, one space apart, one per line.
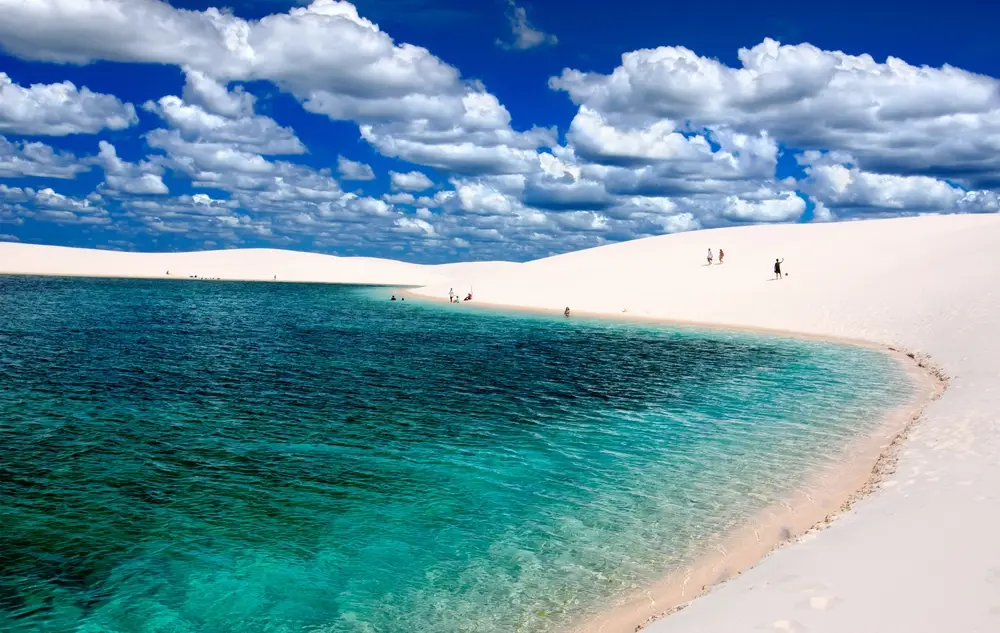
451 295
722 254
709 257
777 268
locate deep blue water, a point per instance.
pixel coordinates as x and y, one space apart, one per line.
221 457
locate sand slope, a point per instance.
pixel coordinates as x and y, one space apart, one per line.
920 556
253 264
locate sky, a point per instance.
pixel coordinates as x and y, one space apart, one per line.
447 130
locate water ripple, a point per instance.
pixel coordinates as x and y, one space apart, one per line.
233 457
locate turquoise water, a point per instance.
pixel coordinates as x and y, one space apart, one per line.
224 457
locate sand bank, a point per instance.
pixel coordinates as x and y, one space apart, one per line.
251 264
919 556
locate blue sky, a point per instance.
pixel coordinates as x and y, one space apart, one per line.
514 130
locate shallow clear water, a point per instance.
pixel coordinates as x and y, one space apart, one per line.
234 457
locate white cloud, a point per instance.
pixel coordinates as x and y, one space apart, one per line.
237 126
410 181
21 158
227 152
594 138
416 226
469 135
409 103
46 205
124 177
892 117
202 90
462 156
60 109
840 189
784 207
353 170
525 35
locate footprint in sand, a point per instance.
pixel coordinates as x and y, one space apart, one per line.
788 626
993 575
822 603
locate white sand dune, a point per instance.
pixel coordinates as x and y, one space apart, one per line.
252 264
922 555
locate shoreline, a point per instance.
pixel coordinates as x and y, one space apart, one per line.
823 495
811 506
625 318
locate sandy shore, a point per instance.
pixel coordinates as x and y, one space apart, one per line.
251 264
920 555
831 490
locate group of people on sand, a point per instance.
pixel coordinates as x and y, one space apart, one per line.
454 298
777 263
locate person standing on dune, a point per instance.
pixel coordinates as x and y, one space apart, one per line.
722 254
777 268
709 257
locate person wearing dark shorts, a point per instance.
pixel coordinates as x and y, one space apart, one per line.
777 268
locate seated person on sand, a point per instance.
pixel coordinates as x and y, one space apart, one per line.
468 297
566 311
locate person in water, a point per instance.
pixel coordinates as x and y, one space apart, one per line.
566 311
722 254
709 257
393 298
777 268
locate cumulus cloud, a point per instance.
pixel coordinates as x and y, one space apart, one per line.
227 151
60 109
668 141
840 189
891 116
21 158
267 199
410 181
524 35
410 104
353 170
416 226
46 205
469 135
223 117
123 177
782 207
